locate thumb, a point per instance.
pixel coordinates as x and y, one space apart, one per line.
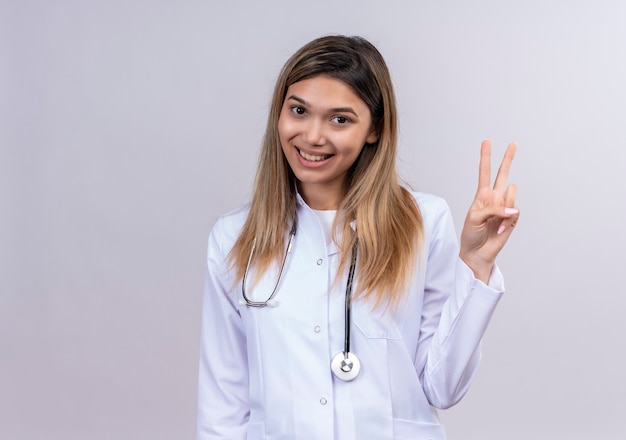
480 216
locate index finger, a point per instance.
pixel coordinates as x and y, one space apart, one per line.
505 166
484 168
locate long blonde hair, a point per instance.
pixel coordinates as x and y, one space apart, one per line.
389 227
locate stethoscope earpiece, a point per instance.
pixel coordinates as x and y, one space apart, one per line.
272 303
268 303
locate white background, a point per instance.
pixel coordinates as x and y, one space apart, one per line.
128 126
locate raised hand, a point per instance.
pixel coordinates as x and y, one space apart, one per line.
492 215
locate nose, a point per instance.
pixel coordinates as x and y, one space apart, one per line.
313 132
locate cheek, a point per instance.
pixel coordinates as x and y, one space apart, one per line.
281 134
285 128
349 143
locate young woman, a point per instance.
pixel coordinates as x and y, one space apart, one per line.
337 303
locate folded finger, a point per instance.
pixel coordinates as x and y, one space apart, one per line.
508 224
510 195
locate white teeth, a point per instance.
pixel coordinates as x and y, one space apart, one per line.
311 157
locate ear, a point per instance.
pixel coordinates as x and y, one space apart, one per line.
372 137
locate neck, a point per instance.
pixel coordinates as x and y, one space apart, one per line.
320 197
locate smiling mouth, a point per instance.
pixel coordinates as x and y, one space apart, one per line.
311 157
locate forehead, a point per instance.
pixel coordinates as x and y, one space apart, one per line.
324 92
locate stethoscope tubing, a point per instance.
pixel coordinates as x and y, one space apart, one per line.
348 300
345 365
269 301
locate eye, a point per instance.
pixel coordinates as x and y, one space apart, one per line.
296 109
340 119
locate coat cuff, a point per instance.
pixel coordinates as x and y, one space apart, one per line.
495 286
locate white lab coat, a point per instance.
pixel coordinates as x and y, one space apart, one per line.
265 372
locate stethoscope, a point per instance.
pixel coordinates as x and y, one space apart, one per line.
345 364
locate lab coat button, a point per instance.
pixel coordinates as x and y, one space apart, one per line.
319 262
317 329
323 401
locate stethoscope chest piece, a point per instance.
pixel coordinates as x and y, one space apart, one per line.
345 366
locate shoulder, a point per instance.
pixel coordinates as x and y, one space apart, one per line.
432 207
436 218
228 226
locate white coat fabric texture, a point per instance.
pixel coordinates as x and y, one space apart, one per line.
265 372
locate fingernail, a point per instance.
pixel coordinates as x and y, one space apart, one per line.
510 211
501 229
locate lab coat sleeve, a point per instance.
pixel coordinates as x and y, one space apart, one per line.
223 407
456 311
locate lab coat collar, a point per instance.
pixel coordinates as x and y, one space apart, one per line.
300 201
332 249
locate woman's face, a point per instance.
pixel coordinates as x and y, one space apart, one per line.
323 126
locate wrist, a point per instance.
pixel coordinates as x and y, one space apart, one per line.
482 269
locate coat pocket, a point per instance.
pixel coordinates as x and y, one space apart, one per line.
411 430
374 324
255 431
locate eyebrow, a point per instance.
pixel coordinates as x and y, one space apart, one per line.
332 110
